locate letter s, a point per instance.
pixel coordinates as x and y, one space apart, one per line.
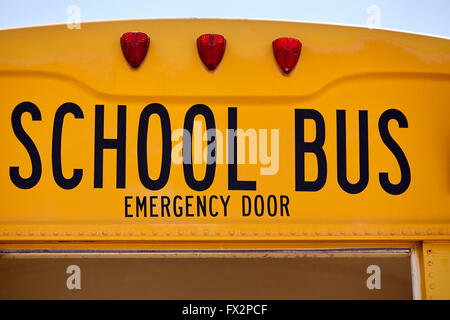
405 180
16 120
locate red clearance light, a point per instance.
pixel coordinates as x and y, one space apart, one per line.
134 47
286 51
211 48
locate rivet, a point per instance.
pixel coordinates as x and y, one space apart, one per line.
5 232
18 232
118 233
155 232
180 232
242 232
380 232
231 232
68 233
43 233
94 233
430 263
143 233
432 286
205 232
429 251
55 233
268 232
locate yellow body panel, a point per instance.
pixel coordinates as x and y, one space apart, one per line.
437 270
340 68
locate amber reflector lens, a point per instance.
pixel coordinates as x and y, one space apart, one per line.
134 47
286 51
211 48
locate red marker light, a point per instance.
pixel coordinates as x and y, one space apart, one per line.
286 51
211 48
134 47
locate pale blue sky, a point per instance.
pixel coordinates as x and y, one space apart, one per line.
421 16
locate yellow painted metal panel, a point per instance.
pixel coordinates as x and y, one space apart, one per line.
437 270
340 68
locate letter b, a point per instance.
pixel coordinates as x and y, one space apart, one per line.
315 147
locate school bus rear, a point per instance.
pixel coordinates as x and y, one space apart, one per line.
264 160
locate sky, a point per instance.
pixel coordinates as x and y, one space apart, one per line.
430 17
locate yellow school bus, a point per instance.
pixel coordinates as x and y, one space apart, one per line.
224 159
